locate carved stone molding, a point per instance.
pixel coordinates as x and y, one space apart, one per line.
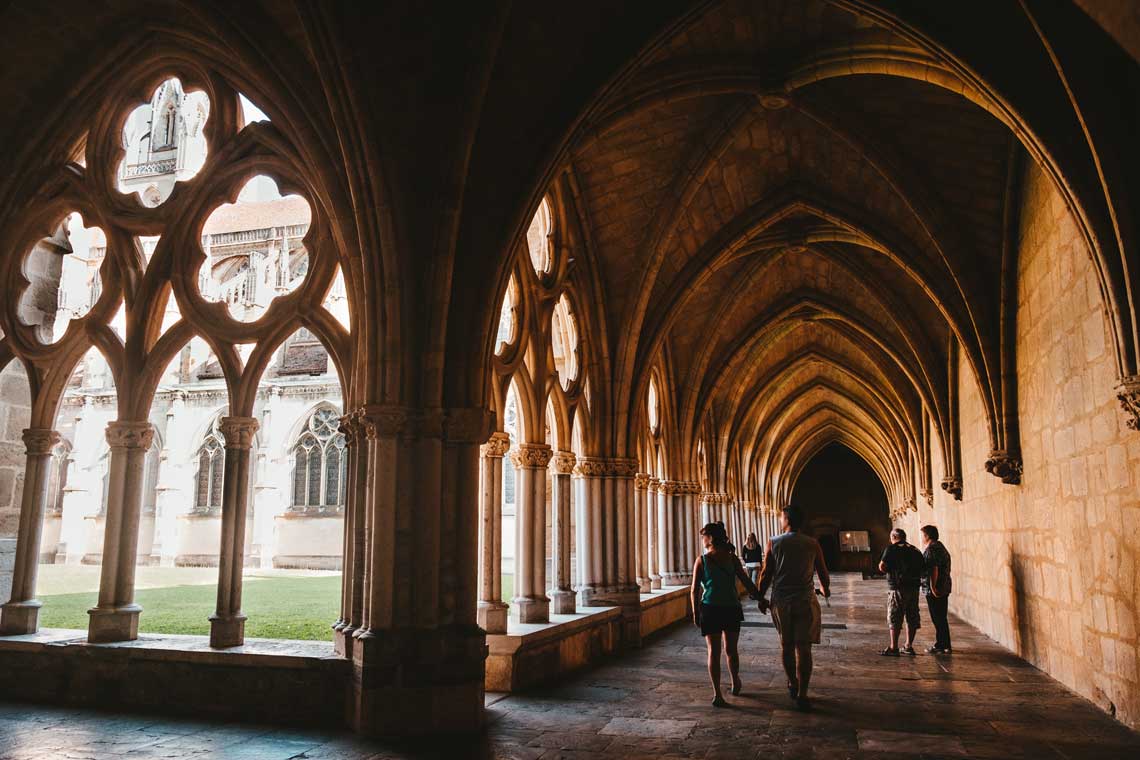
468 425
382 420
535 455
129 435
953 486
1128 392
591 467
496 446
351 429
641 481
622 468
40 441
928 495
238 431
1002 464
909 506
669 487
564 462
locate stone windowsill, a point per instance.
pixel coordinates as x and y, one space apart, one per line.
184 648
560 626
663 595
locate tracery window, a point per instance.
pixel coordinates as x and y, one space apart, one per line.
508 318
653 405
564 342
319 463
211 465
538 238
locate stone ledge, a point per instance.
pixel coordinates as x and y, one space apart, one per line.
662 608
530 653
291 682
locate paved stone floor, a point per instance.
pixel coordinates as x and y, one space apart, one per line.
979 702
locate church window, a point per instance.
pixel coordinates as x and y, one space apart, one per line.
318 464
653 405
211 465
163 142
538 239
564 342
508 318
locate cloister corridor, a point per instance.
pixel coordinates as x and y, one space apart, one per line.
982 702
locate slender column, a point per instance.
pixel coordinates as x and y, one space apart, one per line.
673 537
530 462
227 624
586 577
352 578
21 614
663 537
492 611
597 527
653 532
562 595
690 542
642 527
116 616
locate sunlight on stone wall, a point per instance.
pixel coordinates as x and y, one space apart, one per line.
1050 568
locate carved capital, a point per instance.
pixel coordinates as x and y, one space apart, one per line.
468 425
654 484
953 486
622 468
40 441
496 446
238 431
909 506
1004 465
641 481
1128 392
591 467
532 455
350 428
928 495
564 462
670 487
129 435
382 420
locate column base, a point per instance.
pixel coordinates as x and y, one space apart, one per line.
563 602
654 582
343 640
227 632
675 579
18 618
416 682
107 624
532 609
644 585
492 616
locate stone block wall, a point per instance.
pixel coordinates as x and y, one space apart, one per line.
1051 568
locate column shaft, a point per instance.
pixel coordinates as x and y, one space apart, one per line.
562 595
642 529
530 534
20 614
227 624
492 610
116 616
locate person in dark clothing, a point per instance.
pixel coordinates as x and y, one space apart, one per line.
753 556
936 586
903 565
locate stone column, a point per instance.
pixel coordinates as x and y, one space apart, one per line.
116 616
664 534
492 610
641 527
21 613
530 598
352 578
227 624
653 532
562 595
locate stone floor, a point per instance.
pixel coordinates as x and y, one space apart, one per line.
980 702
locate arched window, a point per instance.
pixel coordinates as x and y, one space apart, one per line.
654 408
211 464
538 238
319 464
57 476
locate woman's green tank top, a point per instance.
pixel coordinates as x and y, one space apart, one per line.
719 584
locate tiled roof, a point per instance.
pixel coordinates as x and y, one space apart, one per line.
237 217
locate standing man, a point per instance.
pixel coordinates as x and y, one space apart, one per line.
936 585
791 561
903 565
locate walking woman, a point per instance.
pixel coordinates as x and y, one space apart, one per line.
716 605
753 556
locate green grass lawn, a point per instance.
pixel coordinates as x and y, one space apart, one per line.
181 600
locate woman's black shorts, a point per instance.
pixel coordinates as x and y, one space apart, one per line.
717 619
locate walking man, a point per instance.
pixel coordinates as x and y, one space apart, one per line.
936 585
903 565
791 561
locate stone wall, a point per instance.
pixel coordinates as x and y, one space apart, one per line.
15 412
1050 568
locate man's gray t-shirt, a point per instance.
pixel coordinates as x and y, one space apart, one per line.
793 557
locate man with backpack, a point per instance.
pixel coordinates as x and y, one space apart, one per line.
904 567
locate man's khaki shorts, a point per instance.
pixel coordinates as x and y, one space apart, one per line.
798 622
903 604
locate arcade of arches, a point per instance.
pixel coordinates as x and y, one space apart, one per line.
574 280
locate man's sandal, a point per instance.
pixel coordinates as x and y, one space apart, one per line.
888 652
